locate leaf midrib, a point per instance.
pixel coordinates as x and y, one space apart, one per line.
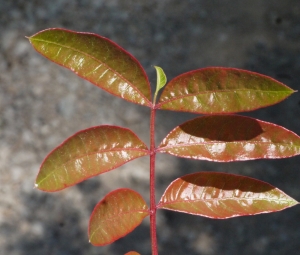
218 91
91 154
221 199
218 142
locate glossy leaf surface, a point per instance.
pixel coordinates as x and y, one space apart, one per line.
161 79
230 138
132 253
221 196
88 153
120 212
221 90
98 60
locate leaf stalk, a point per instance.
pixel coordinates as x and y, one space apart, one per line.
152 182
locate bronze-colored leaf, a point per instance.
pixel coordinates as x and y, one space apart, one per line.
226 138
88 153
222 195
119 213
221 90
98 60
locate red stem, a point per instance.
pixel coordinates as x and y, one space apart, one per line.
152 182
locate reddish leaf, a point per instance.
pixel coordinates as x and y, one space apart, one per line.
221 90
132 253
230 138
119 213
98 60
221 196
88 153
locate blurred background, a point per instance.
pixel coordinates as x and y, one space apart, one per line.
41 104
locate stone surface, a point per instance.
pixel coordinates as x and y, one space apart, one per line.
42 104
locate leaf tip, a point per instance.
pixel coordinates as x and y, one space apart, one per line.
29 38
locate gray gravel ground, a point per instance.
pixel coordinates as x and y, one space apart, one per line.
42 104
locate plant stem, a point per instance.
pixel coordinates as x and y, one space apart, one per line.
152 182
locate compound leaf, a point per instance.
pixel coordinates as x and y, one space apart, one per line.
119 213
88 153
226 138
222 195
221 90
98 60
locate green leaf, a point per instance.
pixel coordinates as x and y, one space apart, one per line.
221 90
226 138
88 153
98 60
221 196
132 253
161 80
119 213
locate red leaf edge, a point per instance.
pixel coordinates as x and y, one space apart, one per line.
110 193
148 153
160 204
158 105
149 103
